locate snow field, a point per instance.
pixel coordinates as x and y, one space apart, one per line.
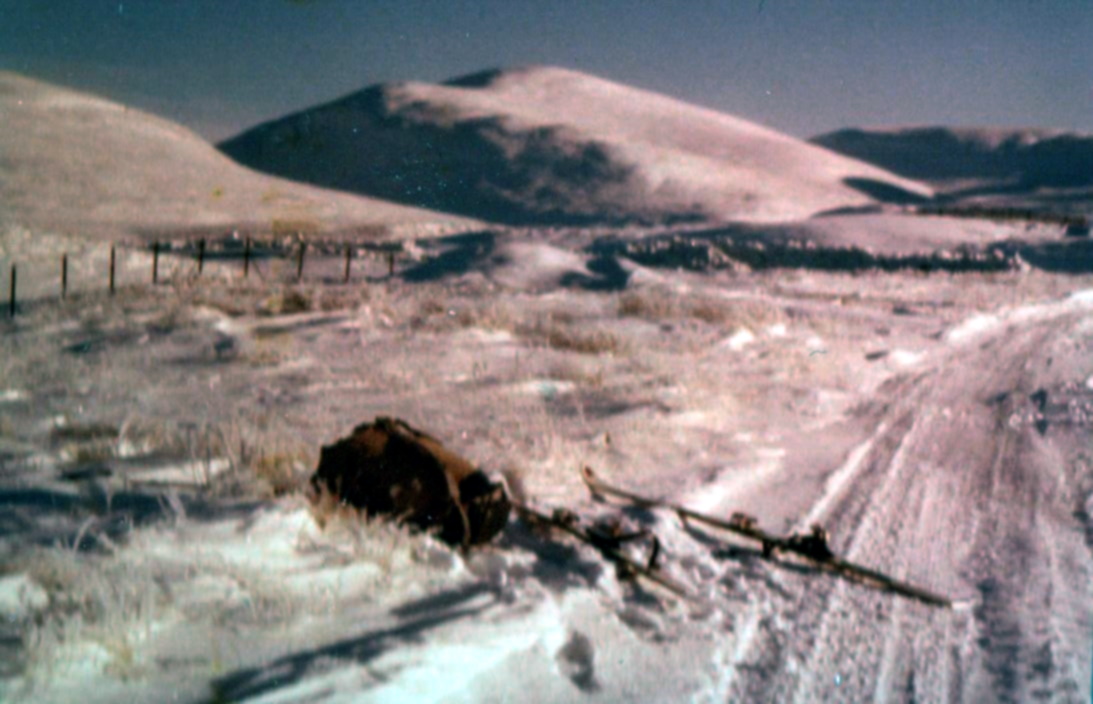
227 592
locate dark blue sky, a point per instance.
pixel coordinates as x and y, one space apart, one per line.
804 67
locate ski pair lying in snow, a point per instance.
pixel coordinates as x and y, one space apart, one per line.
812 547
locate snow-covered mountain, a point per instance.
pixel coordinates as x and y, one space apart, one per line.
80 164
1024 159
550 145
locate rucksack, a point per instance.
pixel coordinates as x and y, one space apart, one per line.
389 468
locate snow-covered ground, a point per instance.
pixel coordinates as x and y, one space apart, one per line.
921 386
153 548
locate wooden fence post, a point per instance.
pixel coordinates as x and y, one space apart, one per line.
11 294
391 262
64 275
155 263
300 261
113 260
246 258
348 259
200 256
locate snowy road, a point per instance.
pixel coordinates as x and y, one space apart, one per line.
971 485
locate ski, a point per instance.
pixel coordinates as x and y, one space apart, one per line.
608 545
812 547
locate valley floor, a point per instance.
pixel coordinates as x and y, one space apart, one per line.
152 546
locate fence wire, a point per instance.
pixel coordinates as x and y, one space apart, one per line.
56 266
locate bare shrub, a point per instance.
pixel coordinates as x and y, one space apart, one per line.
488 315
83 443
100 600
563 317
571 370
648 304
432 306
659 305
710 311
7 426
283 470
569 337
431 314
266 457
269 350
342 298
735 313
583 342
286 302
140 436
230 300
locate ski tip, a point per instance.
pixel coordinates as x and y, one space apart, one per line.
591 482
961 605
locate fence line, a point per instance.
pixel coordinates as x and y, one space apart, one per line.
201 251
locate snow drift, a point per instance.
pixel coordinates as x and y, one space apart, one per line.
552 146
81 164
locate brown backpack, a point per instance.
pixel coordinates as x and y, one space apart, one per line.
389 468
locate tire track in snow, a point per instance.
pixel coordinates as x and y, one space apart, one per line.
748 627
864 466
958 466
831 651
1034 618
840 480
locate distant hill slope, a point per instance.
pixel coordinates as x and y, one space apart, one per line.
80 164
1020 159
545 145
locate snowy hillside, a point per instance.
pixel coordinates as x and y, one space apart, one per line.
549 145
1013 159
86 166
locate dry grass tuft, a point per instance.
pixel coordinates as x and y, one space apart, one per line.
582 374
648 305
286 302
489 315
266 457
352 535
342 297
283 471
657 305
596 342
101 600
